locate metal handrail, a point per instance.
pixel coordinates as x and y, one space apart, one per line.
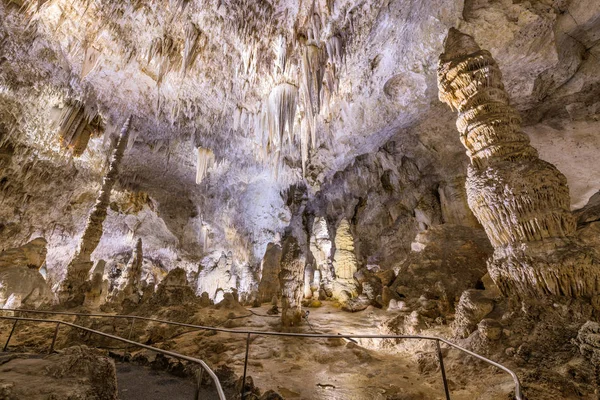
248 333
131 342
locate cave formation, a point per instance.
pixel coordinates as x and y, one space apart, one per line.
331 167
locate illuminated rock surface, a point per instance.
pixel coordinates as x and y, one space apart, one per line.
292 156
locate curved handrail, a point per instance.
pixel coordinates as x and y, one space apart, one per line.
518 391
155 349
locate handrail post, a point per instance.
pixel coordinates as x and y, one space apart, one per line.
245 367
10 335
129 336
54 338
441 360
199 377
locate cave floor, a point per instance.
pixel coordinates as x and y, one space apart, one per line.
336 369
136 382
298 368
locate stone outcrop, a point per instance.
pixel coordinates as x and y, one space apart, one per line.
521 201
588 340
270 268
174 290
21 283
291 278
446 260
31 255
75 373
71 289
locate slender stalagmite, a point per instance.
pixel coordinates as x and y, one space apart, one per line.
521 201
72 289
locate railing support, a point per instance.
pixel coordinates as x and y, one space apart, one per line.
54 338
199 377
129 336
441 360
245 367
10 335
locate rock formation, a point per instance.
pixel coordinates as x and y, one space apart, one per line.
76 127
521 201
174 290
21 284
77 272
98 291
129 286
320 247
270 267
344 264
75 373
218 277
291 279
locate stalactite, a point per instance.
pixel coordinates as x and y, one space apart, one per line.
162 49
72 289
192 35
283 103
76 126
281 54
204 161
521 201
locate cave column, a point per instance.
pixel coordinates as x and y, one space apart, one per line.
72 288
291 279
521 201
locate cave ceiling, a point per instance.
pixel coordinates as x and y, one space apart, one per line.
282 91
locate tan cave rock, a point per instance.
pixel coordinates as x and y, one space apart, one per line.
21 284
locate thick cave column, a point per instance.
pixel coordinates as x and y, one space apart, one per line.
72 289
291 279
521 201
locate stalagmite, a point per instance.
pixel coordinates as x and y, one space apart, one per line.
291 279
521 201
320 247
76 126
345 265
98 291
204 161
270 267
129 286
72 288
